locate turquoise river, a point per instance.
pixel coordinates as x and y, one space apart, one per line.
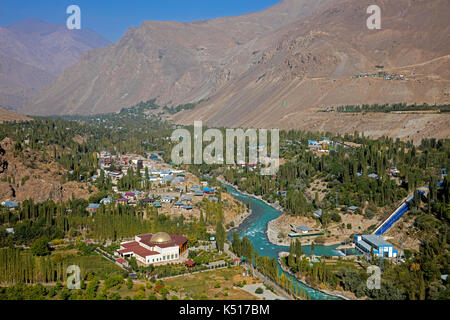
255 226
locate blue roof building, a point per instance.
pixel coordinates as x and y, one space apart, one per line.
93 207
10 204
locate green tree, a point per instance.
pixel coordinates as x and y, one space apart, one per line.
220 236
40 247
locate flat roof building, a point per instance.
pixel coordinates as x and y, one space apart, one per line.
372 243
303 229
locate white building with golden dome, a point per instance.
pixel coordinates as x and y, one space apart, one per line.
158 248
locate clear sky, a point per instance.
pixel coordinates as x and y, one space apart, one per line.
111 18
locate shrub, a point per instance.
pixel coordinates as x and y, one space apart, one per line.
369 214
336 217
129 284
259 290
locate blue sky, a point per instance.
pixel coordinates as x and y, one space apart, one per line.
111 18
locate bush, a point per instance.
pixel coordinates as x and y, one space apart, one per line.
259 290
114 281
336 217
114 296
369 214
129 284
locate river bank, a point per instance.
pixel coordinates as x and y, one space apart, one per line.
278 231
280 225
275 206
255 228
334 293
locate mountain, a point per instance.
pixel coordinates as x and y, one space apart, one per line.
273 68
33 53
175 62
7 115
312 62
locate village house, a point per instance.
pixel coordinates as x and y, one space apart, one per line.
93 207
10 204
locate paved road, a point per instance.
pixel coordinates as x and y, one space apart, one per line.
267 294
111 258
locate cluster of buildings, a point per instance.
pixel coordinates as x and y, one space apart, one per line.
158 248
323 145
153 164
133 198
326 145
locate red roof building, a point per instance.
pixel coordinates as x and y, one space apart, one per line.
189 263
154 248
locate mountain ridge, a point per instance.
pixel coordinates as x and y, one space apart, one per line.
272 68
37 52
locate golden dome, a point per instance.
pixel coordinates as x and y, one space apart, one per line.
160 237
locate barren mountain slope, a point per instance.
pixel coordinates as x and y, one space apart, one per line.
7 115
176 62
33 53
26 175
313 62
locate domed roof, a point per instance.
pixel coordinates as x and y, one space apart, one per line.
160 237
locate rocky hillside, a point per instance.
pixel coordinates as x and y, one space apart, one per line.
175 62
313 64
274 68
27 175
7 115
34 53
